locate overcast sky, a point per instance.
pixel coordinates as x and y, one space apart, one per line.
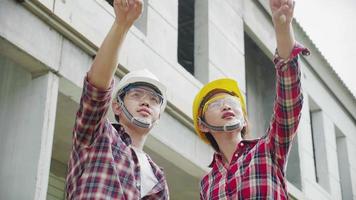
331 24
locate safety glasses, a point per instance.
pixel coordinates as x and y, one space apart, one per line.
139 93
218 101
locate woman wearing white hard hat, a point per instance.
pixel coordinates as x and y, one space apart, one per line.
107 160
252 169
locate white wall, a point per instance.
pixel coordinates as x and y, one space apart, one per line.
28 106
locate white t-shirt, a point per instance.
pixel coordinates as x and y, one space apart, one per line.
148 179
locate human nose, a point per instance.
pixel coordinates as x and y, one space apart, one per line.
145 100
225 106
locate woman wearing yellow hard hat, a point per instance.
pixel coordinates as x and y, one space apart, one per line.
241 168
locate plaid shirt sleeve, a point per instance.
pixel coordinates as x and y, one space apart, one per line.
288 104
201 194
90 117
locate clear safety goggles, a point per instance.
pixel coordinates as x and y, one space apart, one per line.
218 101
139 93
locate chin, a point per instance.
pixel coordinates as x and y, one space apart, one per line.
147 119
232 120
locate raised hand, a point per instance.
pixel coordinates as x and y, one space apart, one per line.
282 11
103 68
127 11
282 16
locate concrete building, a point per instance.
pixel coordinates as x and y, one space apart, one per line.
47 46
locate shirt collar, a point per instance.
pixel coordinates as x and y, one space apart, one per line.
123 135
218 156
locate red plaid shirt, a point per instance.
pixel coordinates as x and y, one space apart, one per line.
257 169
102 164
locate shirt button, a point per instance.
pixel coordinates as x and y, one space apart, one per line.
241 144
235 155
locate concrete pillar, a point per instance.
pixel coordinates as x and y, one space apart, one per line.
219 41
27 112
321 159
333 177
201 40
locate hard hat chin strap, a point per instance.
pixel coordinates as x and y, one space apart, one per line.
133 119
226 128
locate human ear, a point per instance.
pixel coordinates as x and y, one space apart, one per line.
116 107
203 128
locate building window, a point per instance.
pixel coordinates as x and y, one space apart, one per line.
56 181
186 12
260 87
62 145
344 165
319 148
293 166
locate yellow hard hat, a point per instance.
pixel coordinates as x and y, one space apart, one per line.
225 84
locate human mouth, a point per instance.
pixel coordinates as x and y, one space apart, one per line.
144 111
228 115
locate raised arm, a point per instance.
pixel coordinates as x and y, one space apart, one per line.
103 68
97 89
289 97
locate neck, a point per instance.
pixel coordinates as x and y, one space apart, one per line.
227 142
138 135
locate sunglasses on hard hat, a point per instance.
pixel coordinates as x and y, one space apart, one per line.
217 102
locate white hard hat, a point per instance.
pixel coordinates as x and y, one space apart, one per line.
144 76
